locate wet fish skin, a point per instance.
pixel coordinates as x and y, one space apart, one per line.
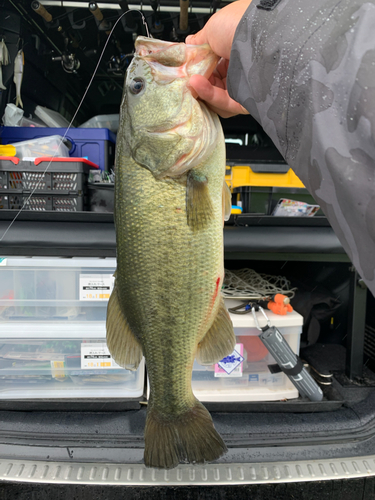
166 303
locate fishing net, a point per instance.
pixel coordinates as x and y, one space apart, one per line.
248 284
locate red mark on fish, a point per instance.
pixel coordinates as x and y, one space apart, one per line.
216 290
213 300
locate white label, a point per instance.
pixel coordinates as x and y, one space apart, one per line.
3 261
97 356
95 286
231 366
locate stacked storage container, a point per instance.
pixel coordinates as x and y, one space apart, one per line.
245 376
53 334
95 144
58 184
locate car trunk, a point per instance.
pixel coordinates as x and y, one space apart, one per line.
99 440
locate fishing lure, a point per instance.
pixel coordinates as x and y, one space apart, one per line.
4 60
19 63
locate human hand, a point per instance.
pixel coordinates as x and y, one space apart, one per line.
219 32
214 91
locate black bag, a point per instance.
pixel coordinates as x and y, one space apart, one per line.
316 304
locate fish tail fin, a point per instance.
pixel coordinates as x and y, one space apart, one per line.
190 437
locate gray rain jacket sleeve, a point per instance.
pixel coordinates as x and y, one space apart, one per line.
306 72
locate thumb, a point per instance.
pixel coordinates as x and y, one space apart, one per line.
198 39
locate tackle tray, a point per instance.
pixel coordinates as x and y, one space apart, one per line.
61 188
57 175
42 202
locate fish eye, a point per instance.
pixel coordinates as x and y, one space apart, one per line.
137 85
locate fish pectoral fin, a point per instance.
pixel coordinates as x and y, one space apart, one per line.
121 341
227 201
219 341
199 207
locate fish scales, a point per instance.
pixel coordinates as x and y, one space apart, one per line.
166 301
164 281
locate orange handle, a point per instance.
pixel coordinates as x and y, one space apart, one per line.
93 6
42 11
184 14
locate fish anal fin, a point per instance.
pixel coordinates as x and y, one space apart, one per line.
199 207
122 343
189 437
219 341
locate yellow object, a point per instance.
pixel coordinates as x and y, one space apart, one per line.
58 369
7 150
242 175
236 211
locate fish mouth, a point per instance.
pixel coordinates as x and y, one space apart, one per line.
169 61
176 60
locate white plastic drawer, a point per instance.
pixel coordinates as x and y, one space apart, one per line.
45 361
55 289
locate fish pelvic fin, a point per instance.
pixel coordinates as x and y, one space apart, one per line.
227 202
219 340
199 207
190 437
122 343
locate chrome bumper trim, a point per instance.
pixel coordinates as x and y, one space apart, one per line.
209 475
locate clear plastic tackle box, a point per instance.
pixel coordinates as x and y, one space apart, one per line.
53 333
55 289
246 376
52 339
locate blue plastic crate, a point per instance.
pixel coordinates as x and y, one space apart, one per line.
97 144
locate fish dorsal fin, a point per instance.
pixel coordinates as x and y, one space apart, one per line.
227 201
199 207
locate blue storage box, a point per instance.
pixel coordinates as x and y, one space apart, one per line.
97 144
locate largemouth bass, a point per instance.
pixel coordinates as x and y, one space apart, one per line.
169 202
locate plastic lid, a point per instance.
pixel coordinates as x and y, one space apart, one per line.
50 117
247 321
13 159
65 159
96 263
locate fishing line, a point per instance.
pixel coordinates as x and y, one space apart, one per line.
75 114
